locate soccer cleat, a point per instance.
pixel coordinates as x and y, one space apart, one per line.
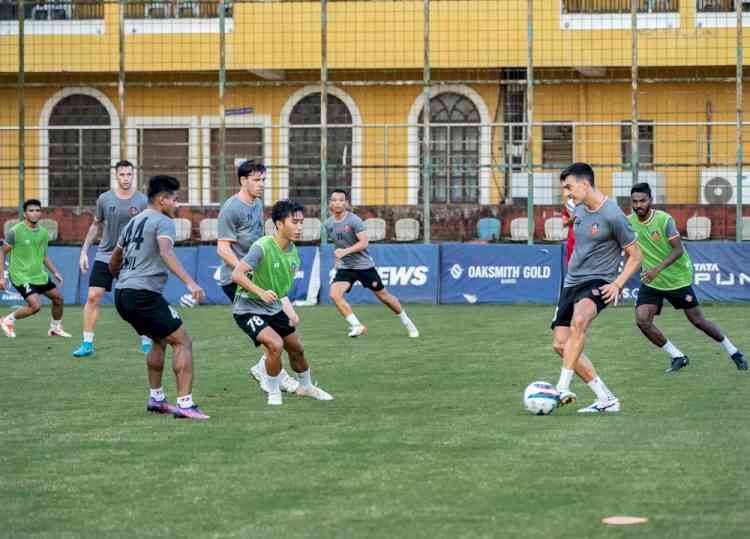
86 349
739 360
160 407
287 383
612 405
8 328
58 332
566 397
275 399
413 331
315 392
358 330
677 364
189 413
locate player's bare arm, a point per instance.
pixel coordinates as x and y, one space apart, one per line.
288 308
53 269
239 276
633 260
224 250
93 232
361 245
166 250
676 253
6 249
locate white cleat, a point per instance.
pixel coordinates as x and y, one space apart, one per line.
566 397
315 392
413 331
287 383
274 399
612 405
358 330
8 328
58 332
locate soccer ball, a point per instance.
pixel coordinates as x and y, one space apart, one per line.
541 398
188 301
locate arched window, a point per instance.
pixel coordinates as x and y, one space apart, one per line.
304 148
79 151
454 148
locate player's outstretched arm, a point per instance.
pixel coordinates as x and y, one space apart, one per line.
677 252
224 250
91 235
239 276
166 250
288 308
5 249
362 243
633 259
115 262
53 269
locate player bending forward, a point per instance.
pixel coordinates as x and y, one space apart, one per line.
261 307
602 232
27 244
354 263
143 258
668 274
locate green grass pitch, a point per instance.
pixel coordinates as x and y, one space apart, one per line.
425 438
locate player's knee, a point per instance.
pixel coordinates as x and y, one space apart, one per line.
643 321
275 347
579 324
94 297
35 306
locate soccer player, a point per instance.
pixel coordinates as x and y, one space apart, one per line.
114 209
602 231
240 224
143 258
354 263
262 309
27 243
667 273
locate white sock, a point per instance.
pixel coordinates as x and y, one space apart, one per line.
603 394
353 320
157 394
274 384
262 364
88 336
304 378
11 318
144 339
55 324
566 375
404 318
728 346
186 401
672 350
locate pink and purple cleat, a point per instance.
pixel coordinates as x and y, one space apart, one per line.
193 412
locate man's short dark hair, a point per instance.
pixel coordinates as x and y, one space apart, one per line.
158 185
31 202
250 168
582 171
342 191
284 209
123 163
642 187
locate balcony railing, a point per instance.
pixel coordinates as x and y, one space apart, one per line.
181 9
75 10
720 6
620 6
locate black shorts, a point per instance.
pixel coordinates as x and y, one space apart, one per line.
253 324
680 298
230 290
148 312
368 277
29 289
100 276
572 295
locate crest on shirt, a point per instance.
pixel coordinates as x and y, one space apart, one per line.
133 211
655 235
594 229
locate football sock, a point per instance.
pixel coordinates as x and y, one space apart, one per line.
672 350
186 401
157 394
603 394
304 378
404 318
728 346
273 383
353 320
262 364
88 337
11 318
55 324
566 375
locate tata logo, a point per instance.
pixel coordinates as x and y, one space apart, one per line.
456 271
709 272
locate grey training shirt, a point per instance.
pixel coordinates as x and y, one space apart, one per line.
343 234
114 213
600 237
242 225
143 267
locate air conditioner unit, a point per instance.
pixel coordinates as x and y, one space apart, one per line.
546 188
623 181
719 186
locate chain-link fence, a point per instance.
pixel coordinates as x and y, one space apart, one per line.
443 118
